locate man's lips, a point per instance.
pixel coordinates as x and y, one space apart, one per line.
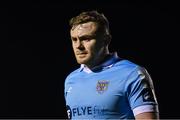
81 53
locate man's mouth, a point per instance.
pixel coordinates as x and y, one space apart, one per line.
81 54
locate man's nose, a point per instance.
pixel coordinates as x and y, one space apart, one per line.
80 45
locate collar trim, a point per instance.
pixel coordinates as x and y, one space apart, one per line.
107 64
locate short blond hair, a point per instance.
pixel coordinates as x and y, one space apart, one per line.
91 16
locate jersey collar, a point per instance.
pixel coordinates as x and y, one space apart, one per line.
107 64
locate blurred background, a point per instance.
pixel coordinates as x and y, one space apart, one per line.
37 54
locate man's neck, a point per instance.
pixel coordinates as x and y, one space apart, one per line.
100 60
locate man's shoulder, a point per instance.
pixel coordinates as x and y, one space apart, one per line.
73 73
132 70
124 68
126 64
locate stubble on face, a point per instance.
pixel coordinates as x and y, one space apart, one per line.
78 32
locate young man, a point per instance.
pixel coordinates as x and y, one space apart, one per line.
105 86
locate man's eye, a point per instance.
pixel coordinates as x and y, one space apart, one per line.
74 39
87 39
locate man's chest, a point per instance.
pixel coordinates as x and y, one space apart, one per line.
94 96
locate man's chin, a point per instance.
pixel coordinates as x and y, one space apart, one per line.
82 62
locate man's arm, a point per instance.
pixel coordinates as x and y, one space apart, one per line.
142 96
147 116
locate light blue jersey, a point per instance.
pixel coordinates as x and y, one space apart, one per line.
116 89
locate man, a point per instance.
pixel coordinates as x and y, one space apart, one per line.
105 86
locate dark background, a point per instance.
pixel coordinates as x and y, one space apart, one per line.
37 54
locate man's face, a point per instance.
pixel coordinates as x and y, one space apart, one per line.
87 45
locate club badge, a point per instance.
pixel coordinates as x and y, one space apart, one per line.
102 86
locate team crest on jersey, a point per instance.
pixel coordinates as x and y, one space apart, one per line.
102 86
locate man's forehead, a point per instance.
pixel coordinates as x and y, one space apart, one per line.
85 27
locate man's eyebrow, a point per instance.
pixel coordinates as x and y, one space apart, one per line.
87 36
84 37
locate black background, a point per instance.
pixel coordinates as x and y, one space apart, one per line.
37 54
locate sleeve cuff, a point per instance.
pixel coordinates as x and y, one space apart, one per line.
145 108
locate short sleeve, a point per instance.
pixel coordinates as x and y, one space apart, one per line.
140 92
